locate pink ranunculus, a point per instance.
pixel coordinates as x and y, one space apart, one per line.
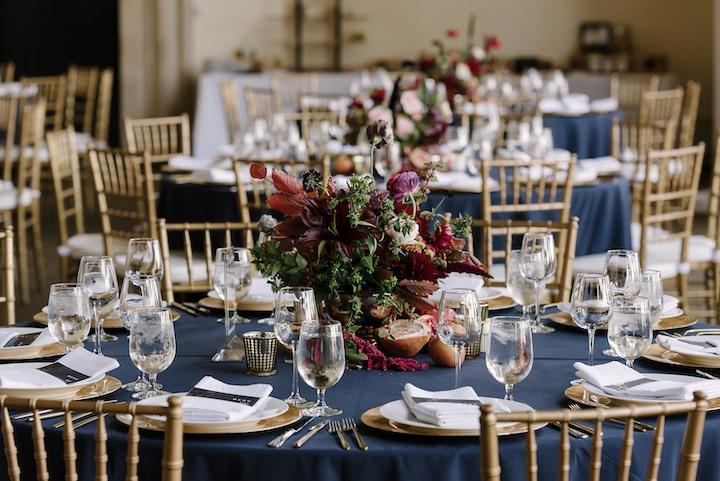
411 103
404 126
380 113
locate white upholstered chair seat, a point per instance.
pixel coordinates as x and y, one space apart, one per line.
9 198
88 244
179 270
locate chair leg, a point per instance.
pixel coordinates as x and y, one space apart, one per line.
39 254
22 253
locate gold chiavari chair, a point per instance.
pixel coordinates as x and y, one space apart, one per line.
8 123
102 107
289 87
160 138
125 198
316 110
7 289
82 90
629 89
689 454
172 458
53 90
260 103
190 270
65 169
499 236
7 71
228 94
688 119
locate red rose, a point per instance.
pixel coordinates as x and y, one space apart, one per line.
443 237
378 96
453 33
258 171
492 43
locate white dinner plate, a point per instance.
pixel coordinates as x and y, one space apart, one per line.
26 330
398 411
213 294
488 293
271 408
673 313
667 300
47 392
659 377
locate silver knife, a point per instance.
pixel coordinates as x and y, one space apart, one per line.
280 440
312 432
571 431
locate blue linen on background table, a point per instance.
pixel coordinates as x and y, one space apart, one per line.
390 457
588 136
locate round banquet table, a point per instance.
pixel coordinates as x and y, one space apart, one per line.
390 457
604 209
588 136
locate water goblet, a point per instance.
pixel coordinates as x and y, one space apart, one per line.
232 279
651 288
293 307
143 258
321 361
459 322
521 289
152 345
69 316
538 264
622 267
509 356
590 306
630 330
97 274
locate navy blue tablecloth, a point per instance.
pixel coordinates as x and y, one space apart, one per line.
390 457
588 136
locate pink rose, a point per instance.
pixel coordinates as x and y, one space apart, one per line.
380 113
411 103
404 126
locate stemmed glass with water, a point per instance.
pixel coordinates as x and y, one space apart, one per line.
144 258
591 305
651 288
69 315
321 361
521 289
97 274
538 262
293 307
459 322
509 356
232 278
622 267
630 330
152 345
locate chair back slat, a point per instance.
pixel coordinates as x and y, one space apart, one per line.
231 108
82 91
629 89
260 103
69 452
133 455
596 456
11 451
53 90
103 106
688 120
288 87
101 455
160 138
7 282
656 453
38 436
627 449
65 169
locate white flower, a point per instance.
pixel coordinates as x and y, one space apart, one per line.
411 103
393 230
478 53
380 113
462 71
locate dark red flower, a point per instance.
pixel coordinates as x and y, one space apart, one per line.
492 43
443 237
453 33
402 184
419 267
285 182
258 171
378 96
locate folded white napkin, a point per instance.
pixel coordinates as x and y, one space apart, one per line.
79 360
551 106
260 290
608 104
619 380
454 409
670 303
701 346
214 176
186 162
604 165
460 182
215 401
9 333
457 280
559 155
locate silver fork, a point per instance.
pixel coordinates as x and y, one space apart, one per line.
348 424
637 425
706 374
337 429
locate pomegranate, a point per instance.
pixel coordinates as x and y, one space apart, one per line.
405 337
442 354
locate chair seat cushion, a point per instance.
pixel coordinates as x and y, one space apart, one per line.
9 198
179 270
85 244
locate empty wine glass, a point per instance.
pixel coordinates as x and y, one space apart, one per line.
521 289
232 279
138 291
622 267
590 305
293 307
97 274
459 322
630 330
321 361
509 356
538 264
69 314
651 288
152 345
144 258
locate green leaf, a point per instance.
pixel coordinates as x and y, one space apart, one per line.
300 261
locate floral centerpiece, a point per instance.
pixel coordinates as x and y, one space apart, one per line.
371 256
422 112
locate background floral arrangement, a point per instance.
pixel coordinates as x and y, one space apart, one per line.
364 109
422 112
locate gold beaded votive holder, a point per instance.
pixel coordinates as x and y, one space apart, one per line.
474 349
260 353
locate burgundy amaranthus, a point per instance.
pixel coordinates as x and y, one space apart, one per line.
377 360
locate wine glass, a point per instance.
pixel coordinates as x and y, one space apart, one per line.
97 274
152 345
538 263
622 267
459 322
69 316
630 330
509 356
144 258
651 288
293 306
138 291
321 361
590 305
232 279
521 290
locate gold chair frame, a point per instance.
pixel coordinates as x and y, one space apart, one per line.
629 89
160 138
260 103
290 86
231 108
82 91
7 71
52 89
688 119
103 106
7 291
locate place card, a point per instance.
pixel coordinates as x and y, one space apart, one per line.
22 340
223 396
64 373
452 401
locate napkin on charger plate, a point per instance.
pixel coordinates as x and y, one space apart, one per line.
455 409
703 346
75 366
9 333
186 162
457 280
607 104
214 176
212 401
607 165
617 379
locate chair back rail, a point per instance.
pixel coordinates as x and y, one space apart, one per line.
260 103
172 459
52 89
160 138
629 89
289 87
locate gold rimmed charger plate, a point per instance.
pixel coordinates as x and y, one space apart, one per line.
577 393
657 353
25 353
502 302
373 419
291 416
111 322
99 388
257 306
677 322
